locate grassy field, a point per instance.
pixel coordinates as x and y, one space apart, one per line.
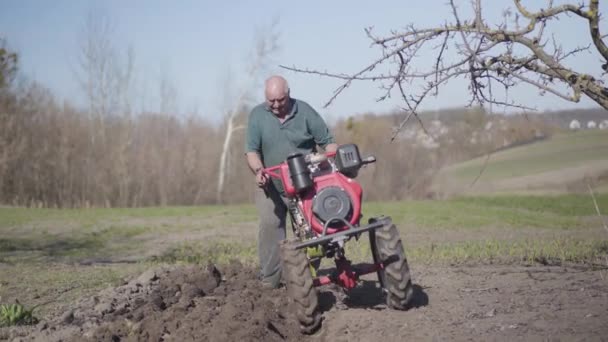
69 253
202 234
563 163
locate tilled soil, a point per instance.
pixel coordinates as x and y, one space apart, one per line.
484 302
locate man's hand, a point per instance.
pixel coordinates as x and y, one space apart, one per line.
333 147
256 165
261 178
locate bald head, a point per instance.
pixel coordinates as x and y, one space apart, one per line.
276 85
276 92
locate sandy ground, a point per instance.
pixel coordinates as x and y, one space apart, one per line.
195 303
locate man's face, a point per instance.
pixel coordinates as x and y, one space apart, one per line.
278 102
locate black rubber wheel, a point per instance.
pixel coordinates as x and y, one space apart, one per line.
300 287
395 278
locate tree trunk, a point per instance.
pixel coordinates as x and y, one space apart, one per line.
224 157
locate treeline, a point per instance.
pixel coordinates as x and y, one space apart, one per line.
54 155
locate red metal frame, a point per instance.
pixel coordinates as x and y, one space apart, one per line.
345 275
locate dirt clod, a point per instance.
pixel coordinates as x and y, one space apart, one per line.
179 303
197 303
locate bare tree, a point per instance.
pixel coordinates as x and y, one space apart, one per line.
517 51
106 76
12 143
168 108
105 73
266 44
102 74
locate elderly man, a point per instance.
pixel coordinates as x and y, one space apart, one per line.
276 128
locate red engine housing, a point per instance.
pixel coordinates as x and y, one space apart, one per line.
350 186
307 197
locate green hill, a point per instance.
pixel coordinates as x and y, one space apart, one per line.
564 163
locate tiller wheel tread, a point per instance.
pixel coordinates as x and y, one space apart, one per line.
300 287
395 277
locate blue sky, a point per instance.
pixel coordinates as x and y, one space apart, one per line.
197 44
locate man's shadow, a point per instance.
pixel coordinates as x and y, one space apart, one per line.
367 294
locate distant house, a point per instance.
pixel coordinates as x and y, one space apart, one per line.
437 128
604 124
574 125
591 124
426 141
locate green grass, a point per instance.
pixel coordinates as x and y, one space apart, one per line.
570 205
563 214
218 252
69 235
108 233
552 251
16 314
559 152
549 251
71 246
508 211
84 218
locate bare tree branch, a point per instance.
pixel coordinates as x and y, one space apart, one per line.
511 53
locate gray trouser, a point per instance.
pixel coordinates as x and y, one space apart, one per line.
272 211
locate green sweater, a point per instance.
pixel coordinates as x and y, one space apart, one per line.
302 131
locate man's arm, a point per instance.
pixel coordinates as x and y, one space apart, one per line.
254 162
253 146
256 166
